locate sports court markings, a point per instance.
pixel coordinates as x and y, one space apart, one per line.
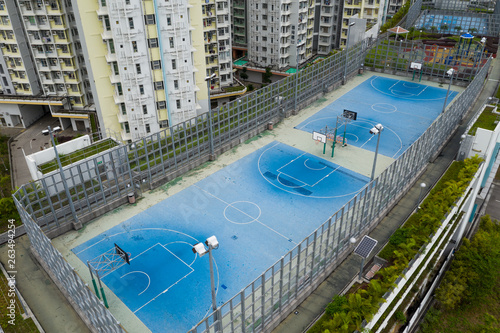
292 167
384 108
402 93
244 213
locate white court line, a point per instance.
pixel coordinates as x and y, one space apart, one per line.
175 256
325 176
182 242
305 164
149 279
283 173
295 193
164 291
256 220
133 230
409 99
293 160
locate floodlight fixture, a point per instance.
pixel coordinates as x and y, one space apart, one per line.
210 77
199 249
212 242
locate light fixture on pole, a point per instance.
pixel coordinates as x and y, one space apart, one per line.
50 132
376 131
296 72
212 244
364 248
346 51
210 136
449 72
422 186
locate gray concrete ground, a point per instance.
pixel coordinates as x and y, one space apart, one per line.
29 141
56 315
48 304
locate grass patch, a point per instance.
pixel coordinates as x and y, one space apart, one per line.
18 324
486 120
478 307
78 155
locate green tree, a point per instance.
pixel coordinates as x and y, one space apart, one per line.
243 74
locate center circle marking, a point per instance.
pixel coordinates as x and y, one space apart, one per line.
384 108
247 212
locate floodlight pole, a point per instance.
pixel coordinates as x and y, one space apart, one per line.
212 282
344 81
63 178
297 71
210 133
451 71
422 186
376 153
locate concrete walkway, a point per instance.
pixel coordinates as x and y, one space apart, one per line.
312 308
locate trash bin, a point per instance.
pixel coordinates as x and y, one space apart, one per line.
131 198
269 126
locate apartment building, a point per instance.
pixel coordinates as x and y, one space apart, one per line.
371 10
139 65
40 63
157 55
281 32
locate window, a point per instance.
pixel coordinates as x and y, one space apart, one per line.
124 109
149 19
111 46
138 68
174 64
127 127
134 46
178 102
153 42
145 109
131 23
161 105
119 88
141 89
115 68
169 20
171 42
103 3
156 64
176 84
158 85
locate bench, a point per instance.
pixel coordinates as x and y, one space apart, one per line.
375 268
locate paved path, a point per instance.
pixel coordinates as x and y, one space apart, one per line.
314 305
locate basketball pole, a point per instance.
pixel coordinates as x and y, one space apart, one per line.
93 281
324 145
345 131
102 290
335 136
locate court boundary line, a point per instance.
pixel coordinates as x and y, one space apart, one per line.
256 220
410 99
298 194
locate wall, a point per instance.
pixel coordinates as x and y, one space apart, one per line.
46 155
31 113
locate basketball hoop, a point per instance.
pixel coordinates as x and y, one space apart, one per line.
318 141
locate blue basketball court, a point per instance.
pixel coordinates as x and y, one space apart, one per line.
259 208
466 23
405 109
